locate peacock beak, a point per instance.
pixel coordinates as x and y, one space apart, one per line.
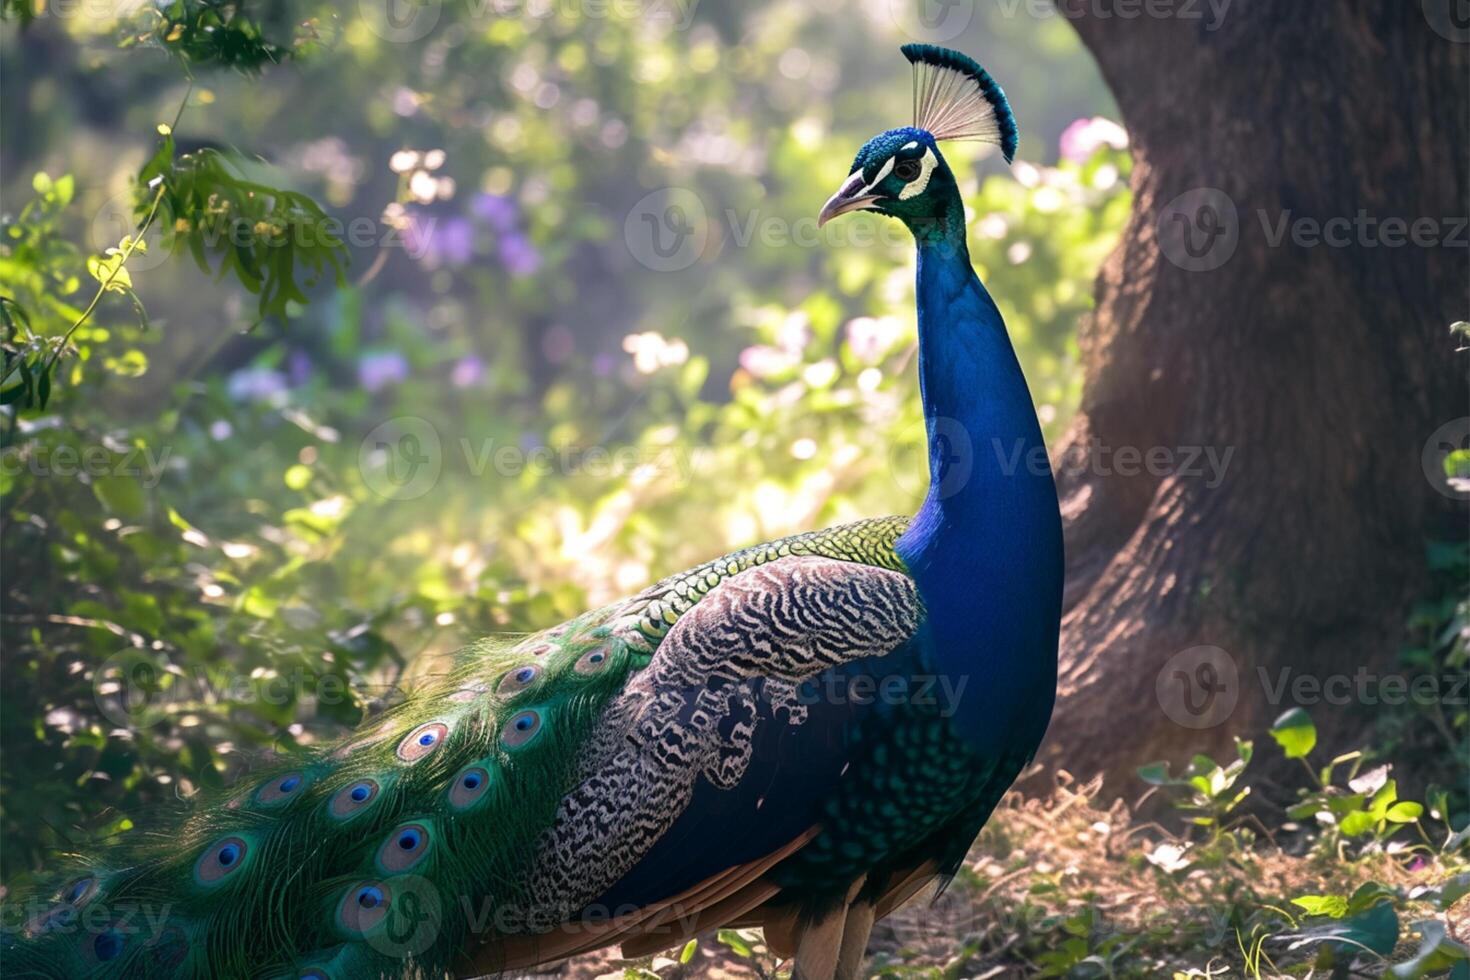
849 197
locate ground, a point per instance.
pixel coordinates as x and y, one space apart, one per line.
1066 886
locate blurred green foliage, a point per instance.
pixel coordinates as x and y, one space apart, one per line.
453 398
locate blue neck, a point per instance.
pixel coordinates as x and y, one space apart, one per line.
985 548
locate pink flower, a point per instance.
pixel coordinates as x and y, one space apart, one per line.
1081 139
467 371
871 338
764 361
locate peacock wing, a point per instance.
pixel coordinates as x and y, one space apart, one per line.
720 752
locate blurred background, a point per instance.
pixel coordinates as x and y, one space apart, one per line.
586 333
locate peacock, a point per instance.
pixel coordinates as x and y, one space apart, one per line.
798 736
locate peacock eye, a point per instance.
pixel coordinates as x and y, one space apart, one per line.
518 680
468 787
421 741
280 789
521 728
364 906
221 860
352 800
79 892
592 661
108 945
404 848
906 170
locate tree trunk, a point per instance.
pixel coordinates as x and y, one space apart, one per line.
1315 373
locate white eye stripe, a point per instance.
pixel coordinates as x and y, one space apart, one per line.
909 145
883 171
917 185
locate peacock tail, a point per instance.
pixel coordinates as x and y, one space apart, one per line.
498 800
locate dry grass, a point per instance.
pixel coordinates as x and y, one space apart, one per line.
1052 882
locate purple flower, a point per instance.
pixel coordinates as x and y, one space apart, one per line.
298 368
379 369
455 241
447 241
467 371
518 255
256 384
499 211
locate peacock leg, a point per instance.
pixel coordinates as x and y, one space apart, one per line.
854 940
818 945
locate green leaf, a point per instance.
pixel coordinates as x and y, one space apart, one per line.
1155 773
1456 888
1305 809
1358 823
109 270
687 953
298 477
1341 806
1383 799
1377 929
736 942
1367 895
122 495
1295 733
1334 906
1405 811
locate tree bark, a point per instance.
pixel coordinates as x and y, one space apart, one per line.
1320 369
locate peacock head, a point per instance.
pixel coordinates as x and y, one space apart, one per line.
901 172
